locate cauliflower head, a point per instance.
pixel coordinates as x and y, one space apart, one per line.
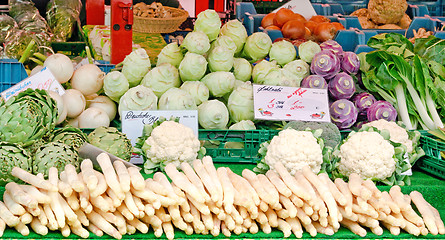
387 11
168 142
397 133
369 155
295 149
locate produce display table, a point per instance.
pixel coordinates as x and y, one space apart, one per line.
433 190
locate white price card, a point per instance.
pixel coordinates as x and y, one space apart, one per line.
44 80
133 123
290 103
303 7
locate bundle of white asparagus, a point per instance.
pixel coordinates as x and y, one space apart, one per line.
205 200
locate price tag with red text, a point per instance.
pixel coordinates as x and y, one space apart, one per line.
291 103
42 80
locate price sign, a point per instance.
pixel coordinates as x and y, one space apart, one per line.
291 103
44 80
133 122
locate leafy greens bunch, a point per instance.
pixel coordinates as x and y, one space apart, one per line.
410 76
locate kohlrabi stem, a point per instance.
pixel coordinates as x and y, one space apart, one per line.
419 105
432 109
27 53
401 105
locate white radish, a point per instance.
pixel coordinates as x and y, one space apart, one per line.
88 79
61 109
106 104
93 118
60 66
75 102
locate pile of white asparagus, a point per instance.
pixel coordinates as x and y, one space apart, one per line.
205 200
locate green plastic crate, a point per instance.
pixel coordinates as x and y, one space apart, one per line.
215 141
432 162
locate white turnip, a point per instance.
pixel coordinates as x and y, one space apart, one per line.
106 104
75 102
60 66
88 79
93 118
61 108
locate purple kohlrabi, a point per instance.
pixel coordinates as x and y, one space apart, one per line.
314 81
350 63
343 113
363 101
325 64
381 110
342 86
333 46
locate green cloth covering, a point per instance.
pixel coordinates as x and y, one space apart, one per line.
153 43
433 190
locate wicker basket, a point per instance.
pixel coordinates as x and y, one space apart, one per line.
160 25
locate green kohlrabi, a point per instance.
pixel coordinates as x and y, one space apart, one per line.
208 22
219 83
192 67
176 99
283 52
296 70
257 46
115 85
198 90
262 69
171 54
237 32
135 66
213 114
138 98
307 50
240 103
224 41
220 59
196 42
242 69
162 78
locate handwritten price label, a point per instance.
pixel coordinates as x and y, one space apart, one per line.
290 103
133 122
44 80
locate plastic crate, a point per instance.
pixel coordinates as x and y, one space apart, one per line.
216 139
433 7
432 162
348 6
355 40
11 72
71 49
105 66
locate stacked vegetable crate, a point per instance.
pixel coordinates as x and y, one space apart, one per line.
434 160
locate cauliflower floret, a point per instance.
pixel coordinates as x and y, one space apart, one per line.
171 142
295 149
397 134
367 154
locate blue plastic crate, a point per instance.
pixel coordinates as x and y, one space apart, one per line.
348 6
105 66
355 40
11 72
434 7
